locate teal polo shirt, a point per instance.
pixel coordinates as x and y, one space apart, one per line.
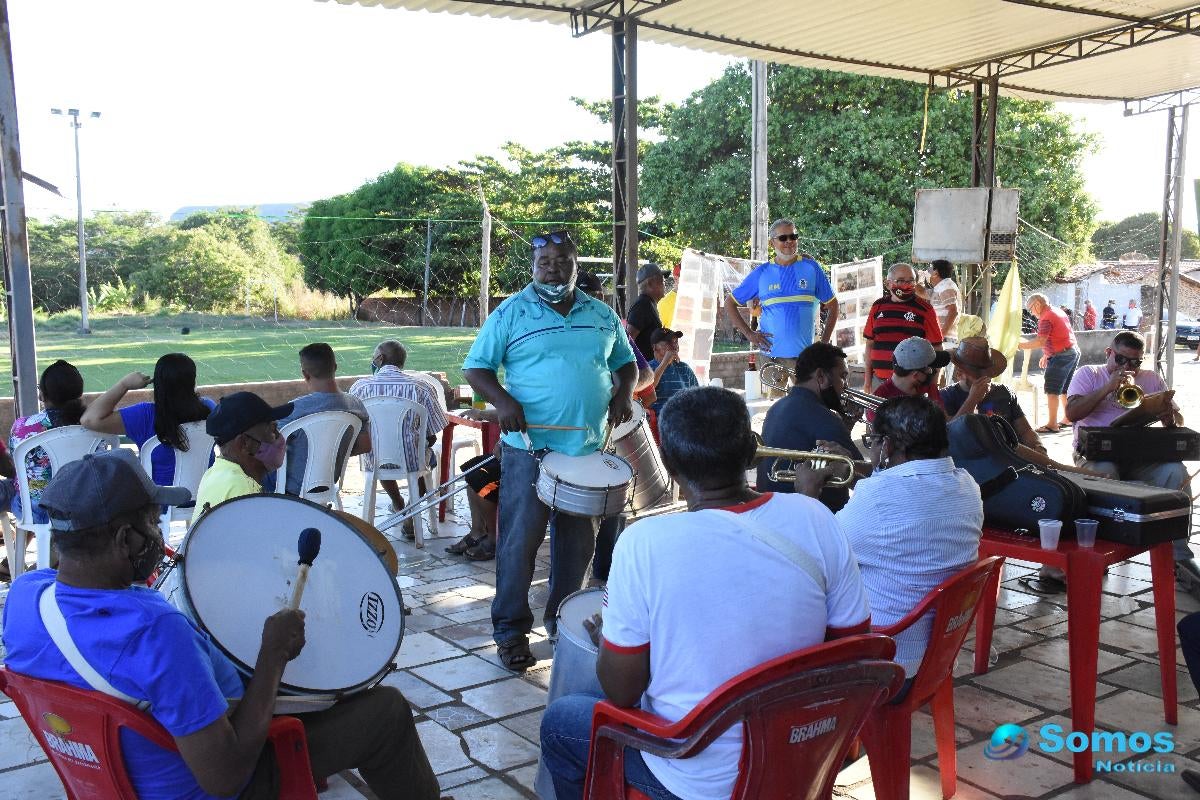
558 368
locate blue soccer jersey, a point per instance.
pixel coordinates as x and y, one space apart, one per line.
789 296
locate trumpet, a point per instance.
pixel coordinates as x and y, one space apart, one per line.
776 376
867 402
819 460
1129 395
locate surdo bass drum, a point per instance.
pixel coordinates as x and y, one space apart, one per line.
237 565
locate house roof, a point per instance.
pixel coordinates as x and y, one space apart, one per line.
1117 272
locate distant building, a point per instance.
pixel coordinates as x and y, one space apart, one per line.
1125 280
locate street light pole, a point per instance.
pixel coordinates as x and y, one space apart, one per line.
73 113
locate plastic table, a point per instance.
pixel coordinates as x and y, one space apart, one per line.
491 435
1085 571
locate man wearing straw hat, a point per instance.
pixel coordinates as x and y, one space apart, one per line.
976 363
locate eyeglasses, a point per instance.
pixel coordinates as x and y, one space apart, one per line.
557 237
904 373
903 281
787 237
1123 361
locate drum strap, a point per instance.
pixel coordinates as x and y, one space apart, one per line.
56 626
782 545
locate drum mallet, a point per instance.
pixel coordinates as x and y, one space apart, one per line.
308 546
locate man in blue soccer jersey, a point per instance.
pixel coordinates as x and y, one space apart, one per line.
790 289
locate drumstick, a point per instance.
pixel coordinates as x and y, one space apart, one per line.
556 427
308 546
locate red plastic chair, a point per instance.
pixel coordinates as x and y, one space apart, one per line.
799 713
887 733
80 732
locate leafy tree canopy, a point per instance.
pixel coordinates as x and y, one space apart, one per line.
1138 234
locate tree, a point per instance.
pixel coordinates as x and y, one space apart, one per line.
845 161
1138 234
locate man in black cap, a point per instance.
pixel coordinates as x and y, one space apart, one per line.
90 624
245 428
671 376
642 320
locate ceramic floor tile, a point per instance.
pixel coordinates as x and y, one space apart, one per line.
418 693
1135 711
1160 785
448 780
1100 789
490 789
444 748
498 748
505 698
482 612
37 782
423 648
17 745
983 711
456 716
1031 775
1056 653
524 777
458 673
1125 636
925 783
469 635
1146 677
527 725
1037 684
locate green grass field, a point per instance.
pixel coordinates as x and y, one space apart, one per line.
234 349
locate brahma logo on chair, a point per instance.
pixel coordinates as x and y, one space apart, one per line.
803 733
56 740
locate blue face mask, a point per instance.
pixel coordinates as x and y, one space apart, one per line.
374 368
553 293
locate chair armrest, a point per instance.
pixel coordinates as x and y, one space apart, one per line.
606 712
286 735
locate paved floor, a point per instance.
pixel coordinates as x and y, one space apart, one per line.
479 723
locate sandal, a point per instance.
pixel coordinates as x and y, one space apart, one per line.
1045 429
515 655
1044 585
463 545
482 551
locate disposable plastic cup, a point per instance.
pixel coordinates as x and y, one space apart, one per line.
1049 529
1085 532
717 382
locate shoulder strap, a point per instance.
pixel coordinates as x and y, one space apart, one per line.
782 545
56 626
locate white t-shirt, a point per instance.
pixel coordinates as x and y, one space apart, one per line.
944 295
1133 317
710 601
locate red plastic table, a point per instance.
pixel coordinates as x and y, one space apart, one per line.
491 435
1085 571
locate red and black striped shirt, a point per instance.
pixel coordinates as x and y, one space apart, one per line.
891 322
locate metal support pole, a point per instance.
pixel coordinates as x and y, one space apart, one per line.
428 254
631 157
1169 243
758 162
485 263
985 276
80 235
622 289
18 296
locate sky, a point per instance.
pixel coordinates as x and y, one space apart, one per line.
242 102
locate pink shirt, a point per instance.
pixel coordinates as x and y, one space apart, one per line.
1089 378
1053 326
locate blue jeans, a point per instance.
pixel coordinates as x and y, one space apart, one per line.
566 742
523 519
1189 643
606 540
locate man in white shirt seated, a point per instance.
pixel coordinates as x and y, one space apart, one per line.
914 523
696 598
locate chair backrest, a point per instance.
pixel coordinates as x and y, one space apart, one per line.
391 419
325 431
190 465
953 603
80 732
62 446
799 714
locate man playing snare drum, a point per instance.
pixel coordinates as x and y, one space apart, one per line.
694 599
104 514
559 349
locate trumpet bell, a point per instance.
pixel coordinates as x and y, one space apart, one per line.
1129 396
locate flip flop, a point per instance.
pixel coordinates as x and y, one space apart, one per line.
1045 429
515 655
1043 585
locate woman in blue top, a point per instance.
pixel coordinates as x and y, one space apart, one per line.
175 402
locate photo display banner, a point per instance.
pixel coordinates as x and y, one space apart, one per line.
858 284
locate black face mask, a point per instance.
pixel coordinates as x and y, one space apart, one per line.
831 398
146 560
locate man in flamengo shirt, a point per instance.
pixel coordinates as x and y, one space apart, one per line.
790 289
893 318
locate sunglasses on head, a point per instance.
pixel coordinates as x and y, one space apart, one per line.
787 237
557 237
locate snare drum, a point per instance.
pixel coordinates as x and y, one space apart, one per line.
634 442
594 485
237 566
574 668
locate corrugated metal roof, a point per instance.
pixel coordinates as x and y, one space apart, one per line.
913 38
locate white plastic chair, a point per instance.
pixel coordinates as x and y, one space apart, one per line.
189 468
388 459
325 431
62 445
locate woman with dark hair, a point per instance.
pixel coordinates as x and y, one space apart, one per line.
61 393
175 402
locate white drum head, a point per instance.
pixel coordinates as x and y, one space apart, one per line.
592 470
579 606
239 566
627 427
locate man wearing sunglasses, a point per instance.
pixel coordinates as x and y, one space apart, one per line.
567 363
899 315
790 289
1091 401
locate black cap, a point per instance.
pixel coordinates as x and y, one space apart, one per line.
100 487
663 334
239 412
648 271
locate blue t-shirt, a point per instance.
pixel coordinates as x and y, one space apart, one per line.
145 648
789 296
675 379
139 426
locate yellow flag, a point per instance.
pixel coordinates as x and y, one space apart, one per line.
1005 326
666 309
